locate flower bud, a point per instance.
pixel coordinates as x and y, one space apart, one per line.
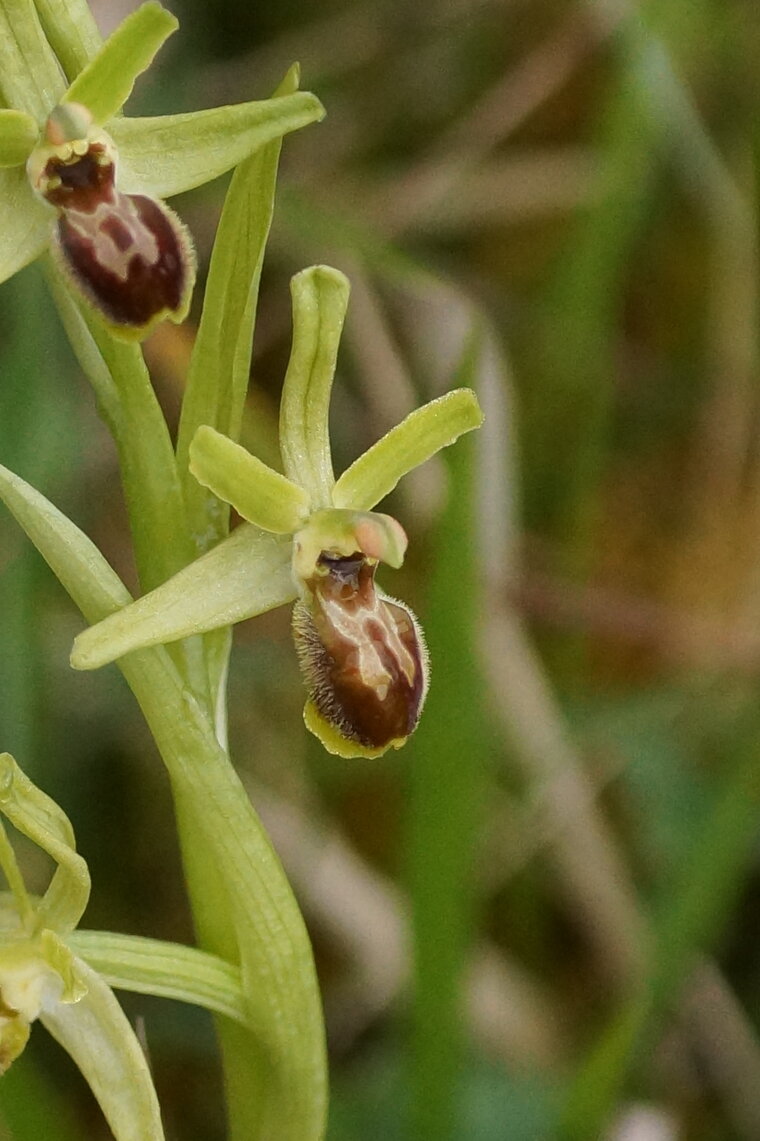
362 656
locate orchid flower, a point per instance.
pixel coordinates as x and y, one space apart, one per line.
86 182
309 539
54 973
42 978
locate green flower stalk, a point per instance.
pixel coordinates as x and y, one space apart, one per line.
311 539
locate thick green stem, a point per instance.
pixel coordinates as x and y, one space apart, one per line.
276 1083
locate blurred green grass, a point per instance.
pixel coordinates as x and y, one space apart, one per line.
543 911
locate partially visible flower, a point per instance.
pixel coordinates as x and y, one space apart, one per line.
310 538
41 978
87 182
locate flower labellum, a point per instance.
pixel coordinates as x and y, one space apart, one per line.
128 253
362 655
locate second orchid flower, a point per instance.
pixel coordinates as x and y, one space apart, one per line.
311 539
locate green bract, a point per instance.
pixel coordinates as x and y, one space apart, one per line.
157 157
298 524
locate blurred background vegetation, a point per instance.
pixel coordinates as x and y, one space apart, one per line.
540 919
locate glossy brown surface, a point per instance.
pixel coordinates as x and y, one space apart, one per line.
361 654
127 252
142 270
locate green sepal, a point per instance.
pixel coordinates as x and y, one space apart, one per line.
18 135
168 154
30 77
15 905
220 364
244 575
257 492
169 970
39 818
423 433
97 1035
107 81
320 299
71 31
60 959
14 1035
25 223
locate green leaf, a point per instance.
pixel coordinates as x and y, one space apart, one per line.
18 135
220 364
25 224
96 1033
74 559
247 574
39 818
30 78
423 433
107 81
320 300
169 154
151 966
257 492
71 31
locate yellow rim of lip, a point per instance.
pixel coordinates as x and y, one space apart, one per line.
338 745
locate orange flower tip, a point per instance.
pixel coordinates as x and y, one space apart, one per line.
363 659
374 541
67 123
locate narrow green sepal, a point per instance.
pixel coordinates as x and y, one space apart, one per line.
320 299
18 136
169 970
256 491
71 31
97 1035
423 433
30 77
244 575
106 83
39 818
25 223
168 154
